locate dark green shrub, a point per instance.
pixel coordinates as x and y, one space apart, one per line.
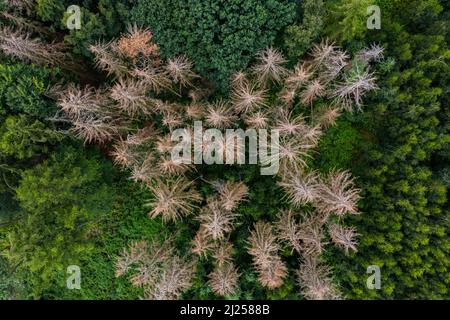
220 36
299 36
61 199
22 89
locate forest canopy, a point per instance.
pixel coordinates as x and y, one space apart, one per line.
88 178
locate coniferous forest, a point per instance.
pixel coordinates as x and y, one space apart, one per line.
354 95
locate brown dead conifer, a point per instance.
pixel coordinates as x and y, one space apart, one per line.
136 42
172 199
343 237
269 66
19 44
288 229
179 70
215 220
315 281
224 279
338 194
264 249
231 194
300 188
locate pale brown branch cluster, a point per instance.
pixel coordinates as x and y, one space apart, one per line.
106 60
21 45
328 116
299 76
293 154
137 42
142 155
23 22
351 82
130 256
354 87
315 281
249 100
343 237
176 277
195 111
264 250
305 236
315 89
217 220
101 116
179 70
300 187
220 115
172 199
257 120
224 278
326 82
133 50
131 97
231 194
290 125
148 91
333 194
372 53
311 233
156 268
148 159
288 229
328 61
223 252
135 55
338 194
217 217
92 114
269 66
246 97
20 5
202 245
328 74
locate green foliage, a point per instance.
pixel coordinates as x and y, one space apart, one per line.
444 174
299 36
9 207
62 199
339 147
101 20
22 89
347 19
9 176
73 175
58 205
220 36
50 10
11 288
404 220
24 140
126 222
21 137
